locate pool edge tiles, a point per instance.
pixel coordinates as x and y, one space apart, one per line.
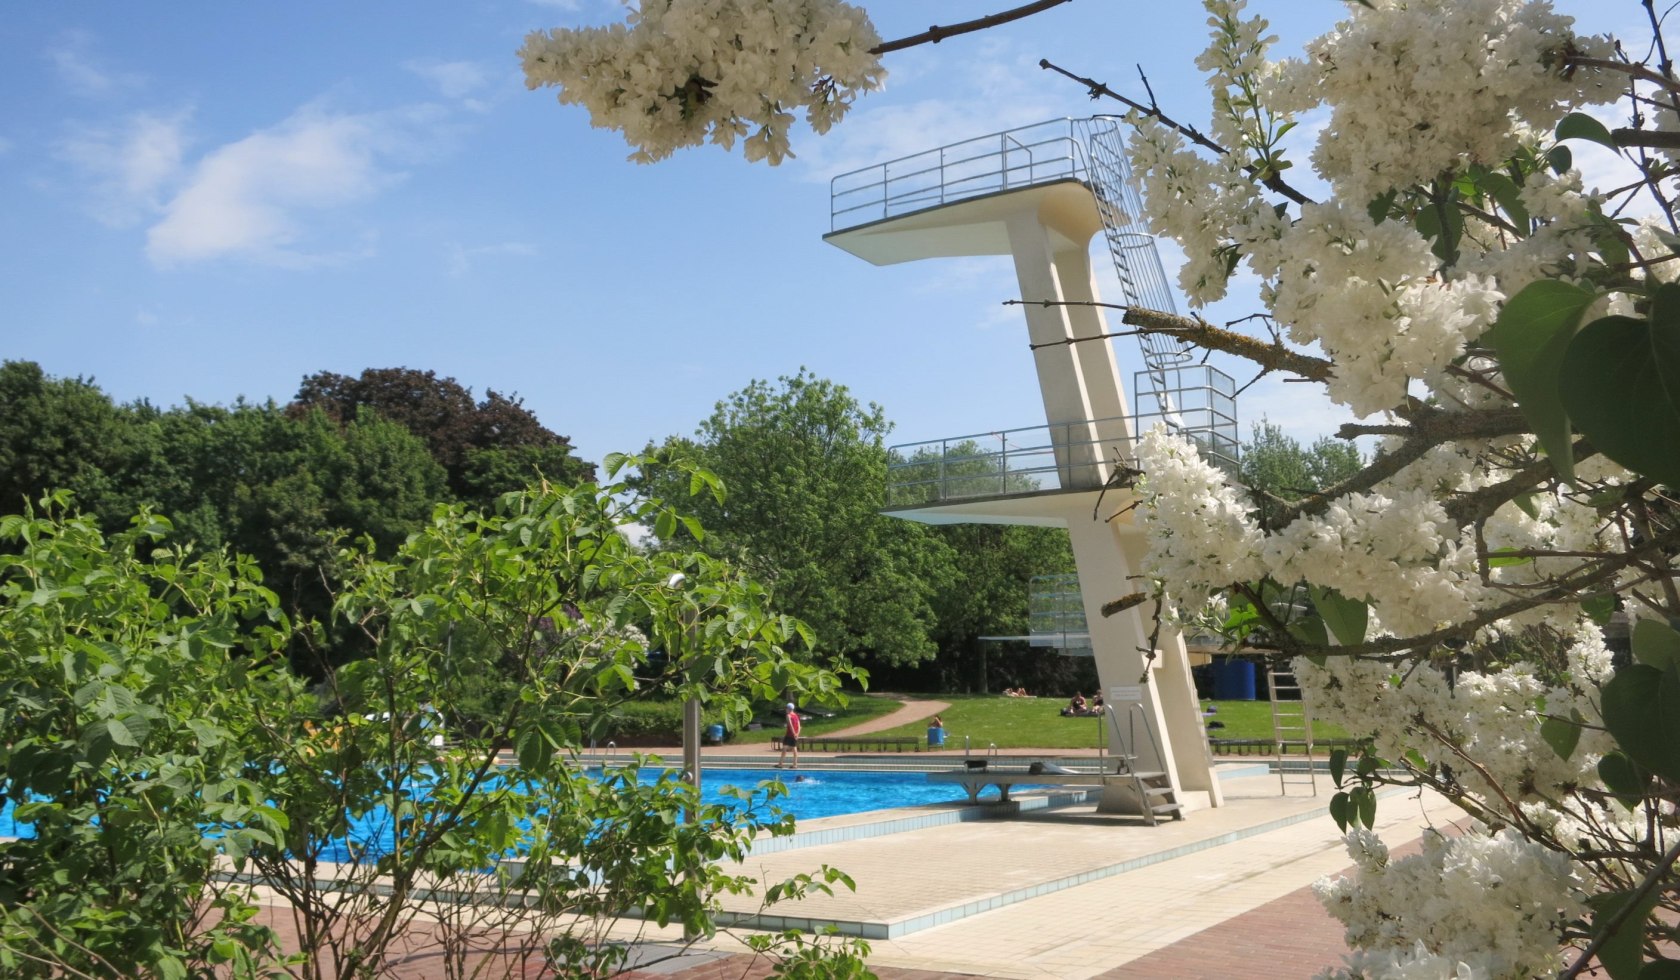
880 823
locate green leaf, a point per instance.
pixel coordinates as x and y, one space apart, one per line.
1642 711
1600 608
1310 629
1505 191
1621 954
1532 337
1441 223
1341 810
1562 734
1503 559
120 734
1580 126
1655 644
1366 799
1560 159
1338 765
1660 970
1344 617
1381 206
1620 383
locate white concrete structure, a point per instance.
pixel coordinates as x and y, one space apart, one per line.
1030 194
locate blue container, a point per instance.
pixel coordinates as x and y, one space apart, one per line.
936 737
714 733
1233 680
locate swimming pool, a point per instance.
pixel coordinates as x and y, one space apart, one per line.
810 794
831 793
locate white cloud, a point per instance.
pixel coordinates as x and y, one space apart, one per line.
128 165
461 258
248 198
454 79
81 72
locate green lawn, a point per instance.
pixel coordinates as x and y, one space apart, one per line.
1036 723
862 708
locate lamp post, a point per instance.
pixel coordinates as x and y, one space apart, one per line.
690 737
691 715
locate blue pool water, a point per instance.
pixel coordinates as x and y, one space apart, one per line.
831 793
818 794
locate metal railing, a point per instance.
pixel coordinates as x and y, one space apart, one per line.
1038 459
990 164
1056 615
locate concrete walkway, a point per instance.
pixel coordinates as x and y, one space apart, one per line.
909 711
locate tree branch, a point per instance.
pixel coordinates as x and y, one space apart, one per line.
1564 590
1193 330
1658 870
935 34
1655 139
1636 71
1271 182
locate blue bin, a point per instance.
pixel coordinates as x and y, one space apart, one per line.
936 737
714 733
1233 680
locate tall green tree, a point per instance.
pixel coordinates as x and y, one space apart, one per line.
1279 471
985 594
63 433
487 447
804 464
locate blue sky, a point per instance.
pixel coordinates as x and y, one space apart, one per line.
213 200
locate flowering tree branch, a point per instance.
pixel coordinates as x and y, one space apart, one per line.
1098 89
1197 331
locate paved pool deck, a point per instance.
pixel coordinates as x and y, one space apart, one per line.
1069 893
1051 889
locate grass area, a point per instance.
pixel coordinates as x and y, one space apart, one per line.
1036 723
862 708
1010 723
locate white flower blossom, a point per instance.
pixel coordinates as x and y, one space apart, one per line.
1477 905
1199 529
684 71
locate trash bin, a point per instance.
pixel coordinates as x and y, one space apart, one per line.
714 734
1233 680
936 737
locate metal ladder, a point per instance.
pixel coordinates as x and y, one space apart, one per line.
1136 259
1154 789
1291 721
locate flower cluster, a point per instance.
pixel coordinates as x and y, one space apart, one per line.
1200 535
1418 89
681 72
1493 717
1491 905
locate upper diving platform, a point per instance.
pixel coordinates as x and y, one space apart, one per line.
902 210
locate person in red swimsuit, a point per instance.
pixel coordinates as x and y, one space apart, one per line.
790 737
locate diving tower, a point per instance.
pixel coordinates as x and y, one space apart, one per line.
1040 194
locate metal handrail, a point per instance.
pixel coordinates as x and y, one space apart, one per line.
1134 712
957 172
1039 459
